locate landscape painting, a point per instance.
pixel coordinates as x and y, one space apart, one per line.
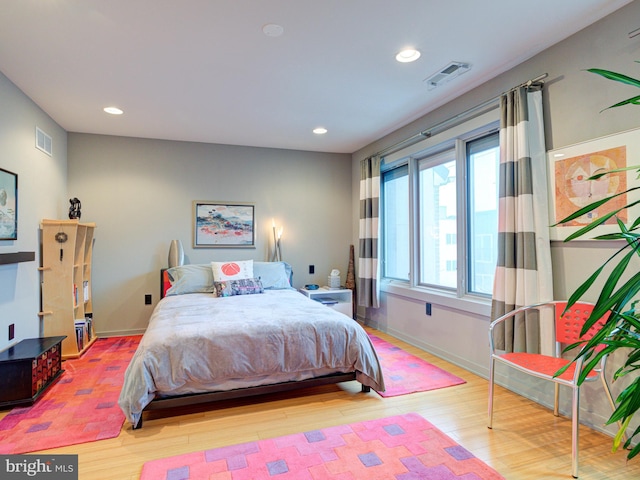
224 224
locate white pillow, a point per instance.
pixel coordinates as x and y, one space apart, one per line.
234 270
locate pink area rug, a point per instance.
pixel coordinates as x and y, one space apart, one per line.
81 407
405 373
404 447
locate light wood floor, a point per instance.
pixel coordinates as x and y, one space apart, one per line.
527 441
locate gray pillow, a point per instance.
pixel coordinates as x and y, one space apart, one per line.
273 275
190 279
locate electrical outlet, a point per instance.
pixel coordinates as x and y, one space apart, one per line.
428 309
147 299
312 269
12 331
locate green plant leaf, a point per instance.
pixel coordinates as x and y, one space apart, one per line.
629 101
618 77
618 295
601 220
597 176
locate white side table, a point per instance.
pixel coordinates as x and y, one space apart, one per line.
337 298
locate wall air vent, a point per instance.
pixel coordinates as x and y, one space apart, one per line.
446 74
43 142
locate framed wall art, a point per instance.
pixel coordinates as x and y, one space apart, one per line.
569 170
8 205
223 224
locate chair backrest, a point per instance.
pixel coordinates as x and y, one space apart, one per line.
569 325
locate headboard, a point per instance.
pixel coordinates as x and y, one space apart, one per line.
165 284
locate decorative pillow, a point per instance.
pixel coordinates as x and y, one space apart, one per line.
190 279
232 270
273 275
244 286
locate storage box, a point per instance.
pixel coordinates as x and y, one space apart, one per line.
333 281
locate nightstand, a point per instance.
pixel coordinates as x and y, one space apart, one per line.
337 298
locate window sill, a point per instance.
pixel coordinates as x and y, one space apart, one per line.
469 303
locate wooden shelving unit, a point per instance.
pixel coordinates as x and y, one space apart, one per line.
67 251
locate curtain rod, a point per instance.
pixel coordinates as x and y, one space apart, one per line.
421 135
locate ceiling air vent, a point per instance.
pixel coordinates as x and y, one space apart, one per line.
449 72
43 142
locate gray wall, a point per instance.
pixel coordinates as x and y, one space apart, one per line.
42 185
573 99
140 192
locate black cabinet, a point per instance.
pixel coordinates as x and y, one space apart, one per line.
28 368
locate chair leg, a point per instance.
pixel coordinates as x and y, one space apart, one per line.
492 365
575 424
607 390
556 399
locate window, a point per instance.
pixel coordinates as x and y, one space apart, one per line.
437 218
483 158
439 211
395 229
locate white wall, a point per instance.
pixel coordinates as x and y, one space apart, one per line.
139 193
573 99
42 185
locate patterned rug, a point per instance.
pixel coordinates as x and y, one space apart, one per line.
81 407
404 447
405 373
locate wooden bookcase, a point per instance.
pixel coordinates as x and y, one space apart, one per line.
67 250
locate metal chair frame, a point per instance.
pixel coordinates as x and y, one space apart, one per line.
584 309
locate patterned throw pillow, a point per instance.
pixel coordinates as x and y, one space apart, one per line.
233 270
244 286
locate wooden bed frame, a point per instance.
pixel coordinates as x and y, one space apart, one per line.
160 403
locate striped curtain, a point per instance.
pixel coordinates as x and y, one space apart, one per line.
369 233
523 273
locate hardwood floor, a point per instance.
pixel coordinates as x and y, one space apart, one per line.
527 441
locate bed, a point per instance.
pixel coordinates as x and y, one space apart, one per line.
216 338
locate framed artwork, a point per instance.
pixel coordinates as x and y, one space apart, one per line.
569 169
223 224
8 205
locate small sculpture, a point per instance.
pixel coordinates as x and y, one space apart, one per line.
74 209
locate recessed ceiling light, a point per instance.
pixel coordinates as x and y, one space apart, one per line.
113 110
272 30
320 131
408 55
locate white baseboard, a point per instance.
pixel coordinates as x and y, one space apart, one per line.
119 333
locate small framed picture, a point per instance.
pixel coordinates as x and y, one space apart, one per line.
570 188
8 205
223 224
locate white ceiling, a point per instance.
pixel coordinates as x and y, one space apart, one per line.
204 71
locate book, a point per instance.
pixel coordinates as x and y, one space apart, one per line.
326 300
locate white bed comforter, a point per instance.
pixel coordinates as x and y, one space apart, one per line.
199 343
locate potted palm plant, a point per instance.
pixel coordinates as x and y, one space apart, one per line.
618 295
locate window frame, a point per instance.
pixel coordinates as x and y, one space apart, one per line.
456 137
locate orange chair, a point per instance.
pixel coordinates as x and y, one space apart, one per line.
567 331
